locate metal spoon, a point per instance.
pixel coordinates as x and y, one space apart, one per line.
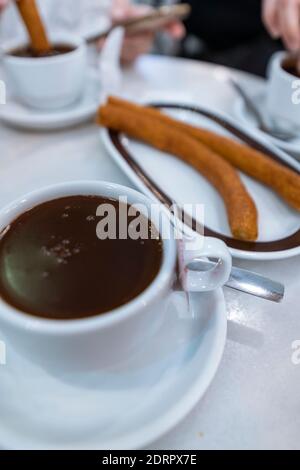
247 281
262 125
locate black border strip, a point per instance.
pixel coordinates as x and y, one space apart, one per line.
284 244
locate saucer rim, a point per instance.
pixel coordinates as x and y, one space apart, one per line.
35 119
165 423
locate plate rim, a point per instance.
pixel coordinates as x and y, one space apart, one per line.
165 423
236 252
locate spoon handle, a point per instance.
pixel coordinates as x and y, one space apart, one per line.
246 281
255 284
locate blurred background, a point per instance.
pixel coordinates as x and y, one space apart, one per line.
226 32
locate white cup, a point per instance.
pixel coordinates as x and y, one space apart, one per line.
283 94
106 339
47 82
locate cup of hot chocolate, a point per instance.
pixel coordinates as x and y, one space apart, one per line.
283 91
50 81
84 277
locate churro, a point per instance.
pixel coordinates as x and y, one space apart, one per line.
259 166
34 25
241 210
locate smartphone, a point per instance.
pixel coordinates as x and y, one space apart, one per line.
154 21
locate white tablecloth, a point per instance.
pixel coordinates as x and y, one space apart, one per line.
254 400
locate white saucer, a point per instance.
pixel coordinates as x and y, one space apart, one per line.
277 221
245 116
16 114
122 408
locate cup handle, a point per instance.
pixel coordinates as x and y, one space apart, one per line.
203 281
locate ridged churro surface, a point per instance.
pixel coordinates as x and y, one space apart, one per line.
250 161
241 210
34 25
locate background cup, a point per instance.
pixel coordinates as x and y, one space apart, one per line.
280 92
47 82
106 339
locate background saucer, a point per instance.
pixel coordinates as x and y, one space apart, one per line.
125 407
16 114
245 116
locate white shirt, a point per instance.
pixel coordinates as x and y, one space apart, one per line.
84 17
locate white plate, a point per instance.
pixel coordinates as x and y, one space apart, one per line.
122 408
16 114
277 221
245 116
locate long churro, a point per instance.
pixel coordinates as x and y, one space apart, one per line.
241 210
252 162
34 25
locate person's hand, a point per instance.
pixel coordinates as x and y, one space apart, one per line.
3 4
141 43
282 20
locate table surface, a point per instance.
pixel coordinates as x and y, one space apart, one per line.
254 400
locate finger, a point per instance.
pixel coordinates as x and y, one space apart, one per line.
270 16
290 23
3 3
100 43
131 51
132 47
176 30
129 58
120 10
140 36
120 4
140 46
